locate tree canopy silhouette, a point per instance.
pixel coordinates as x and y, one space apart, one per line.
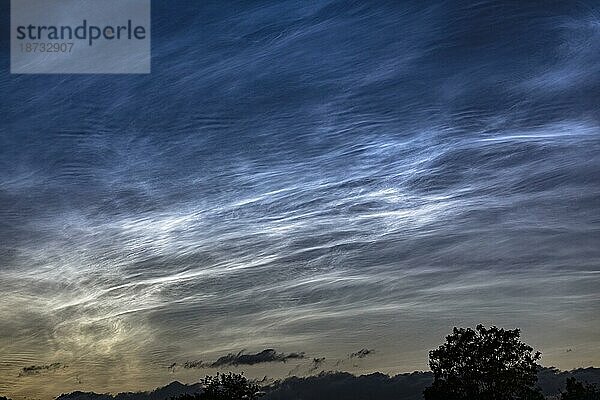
484 364
226 387
579 391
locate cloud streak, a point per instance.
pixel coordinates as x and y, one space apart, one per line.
265 356
38 369
362 353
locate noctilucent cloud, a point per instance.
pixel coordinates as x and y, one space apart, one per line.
302 186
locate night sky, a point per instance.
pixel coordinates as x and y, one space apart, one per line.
317 178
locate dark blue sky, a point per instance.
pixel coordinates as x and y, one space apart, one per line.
315 177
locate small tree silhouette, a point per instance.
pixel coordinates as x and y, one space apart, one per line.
229 387
226 387
578 391
483 364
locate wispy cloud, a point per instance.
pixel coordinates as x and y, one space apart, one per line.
38 369
362 353
193 364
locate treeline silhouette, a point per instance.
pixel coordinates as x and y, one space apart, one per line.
472 364
481 363
577 390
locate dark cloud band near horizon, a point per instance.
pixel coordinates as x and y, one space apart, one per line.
242 358
323 177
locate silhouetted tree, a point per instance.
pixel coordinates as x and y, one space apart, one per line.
483 364
226 387
579 391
